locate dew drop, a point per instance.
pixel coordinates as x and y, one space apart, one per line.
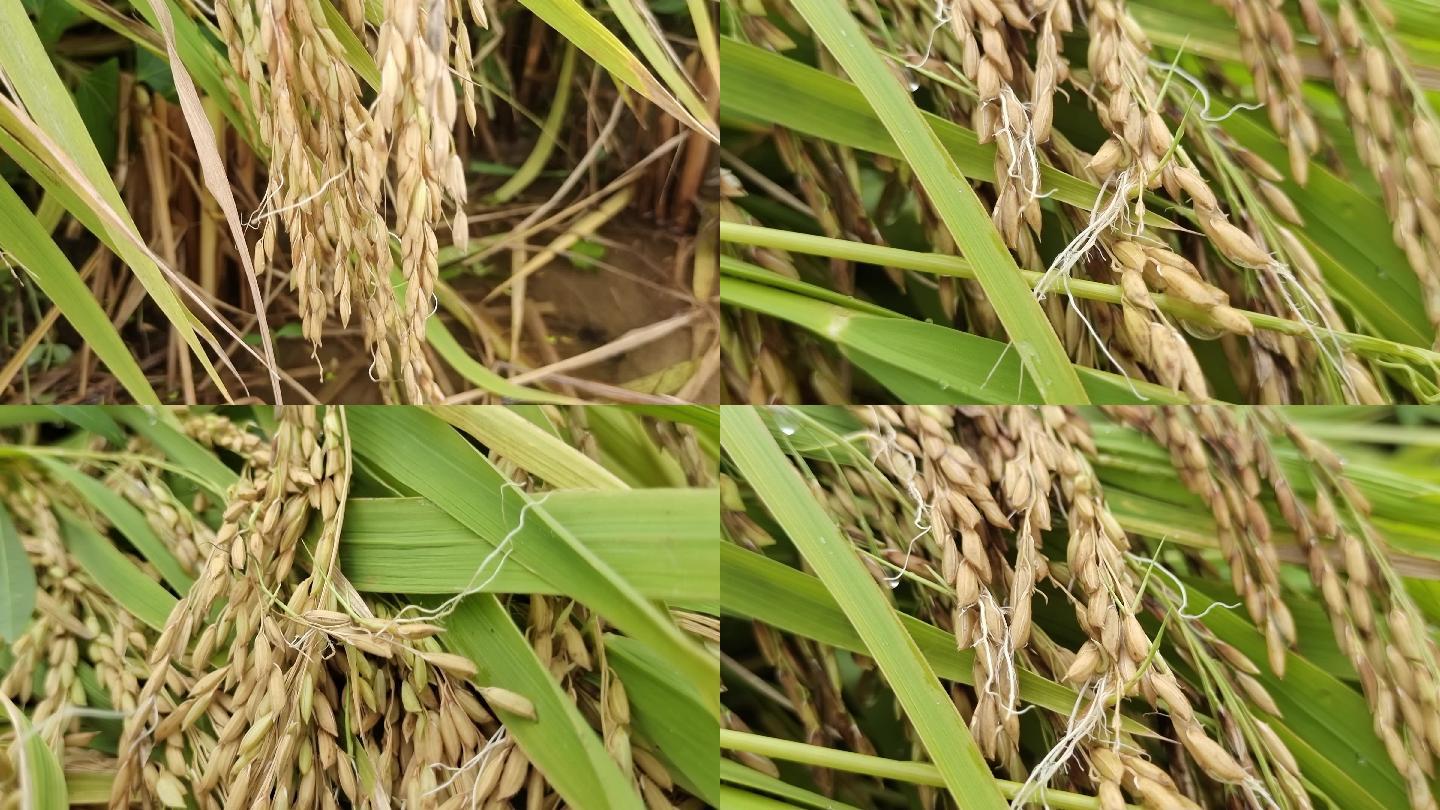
784 421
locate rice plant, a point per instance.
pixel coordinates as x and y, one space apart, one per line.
1164 607
308 200
1102 201
370 607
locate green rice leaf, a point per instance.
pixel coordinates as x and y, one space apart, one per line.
937 723
115 573
93 199
127 520
733 773
760 589
539 453
410 545
638 21
42 780
954 200
957 367
919 773
94 420
159 426
671 717
733 799
764 86
579 26
558 741
17 602
1341 754
444 344
22 236
426 455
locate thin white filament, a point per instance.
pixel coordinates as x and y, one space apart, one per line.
1204 92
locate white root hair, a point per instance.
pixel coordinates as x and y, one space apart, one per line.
1104 215
1154 565
941 13
1024 164
885 444
1283 282
503 550
1080 727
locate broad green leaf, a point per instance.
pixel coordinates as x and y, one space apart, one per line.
1341 755
94 420
962 367
1343 229
937 722
17 578
705 418
97 97
94 199
628 450
204 58
42 781
161 427
943 265
444 344
638 21
89 787
410 545
356 54
540 153
918 773
576 24
429 457
760 589
733 773
733 799
768 87
669 716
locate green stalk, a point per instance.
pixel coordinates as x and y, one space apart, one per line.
940 265
915 773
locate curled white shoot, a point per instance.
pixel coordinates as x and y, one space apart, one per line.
1109 208
1105 214
261 214
1000 668
1203 91
902 465
1155 566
